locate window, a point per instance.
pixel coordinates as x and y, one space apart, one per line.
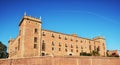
36 30
43 34
59 49
98 49
71 39
89 41
35 46
43 54
53 35
35 39
76 40
59 44
76 50
81 41
65 45
65 38
71 46
89 47
71 50
18 44
52 43
43 45
59 37
52 48
66 50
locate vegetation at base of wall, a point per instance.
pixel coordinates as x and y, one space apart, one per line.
93 53
112 55
3 51
85 54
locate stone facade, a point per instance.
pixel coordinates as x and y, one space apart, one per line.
34 41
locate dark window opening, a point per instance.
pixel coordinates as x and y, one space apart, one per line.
59 37
43 34
36 30
43 54
53 36
76 50
70 54
59 49
35 39
65 38
71 50
43 46
35 46
65 45
52 48
98 49
66 50
52 43
71 40
59 45
81 41
89 47
76 40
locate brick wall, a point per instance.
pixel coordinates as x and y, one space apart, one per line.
47 60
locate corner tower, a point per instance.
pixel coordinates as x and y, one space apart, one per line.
102 45
30 34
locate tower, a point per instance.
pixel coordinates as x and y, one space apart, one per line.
30 34
101 45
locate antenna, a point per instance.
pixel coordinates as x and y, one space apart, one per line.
40 18
25 13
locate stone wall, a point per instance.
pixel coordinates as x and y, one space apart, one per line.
47 60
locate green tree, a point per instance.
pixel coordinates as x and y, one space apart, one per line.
3 51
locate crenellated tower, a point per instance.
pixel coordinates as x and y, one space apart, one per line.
30 34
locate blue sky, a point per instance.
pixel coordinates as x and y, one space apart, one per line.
86 18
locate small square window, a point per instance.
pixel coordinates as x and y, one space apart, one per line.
65 38
59 37
53 35
59 49
35 46
43 34
66 50
52 48
35 39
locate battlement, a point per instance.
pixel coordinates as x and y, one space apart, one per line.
30 18
98 37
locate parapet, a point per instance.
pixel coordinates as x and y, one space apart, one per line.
98 37
30 18
75 35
